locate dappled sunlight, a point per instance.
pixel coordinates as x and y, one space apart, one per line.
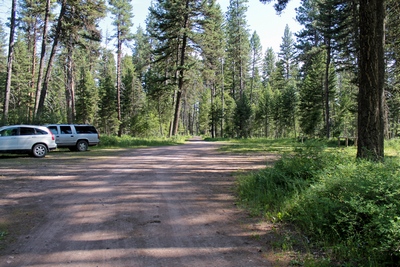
145 207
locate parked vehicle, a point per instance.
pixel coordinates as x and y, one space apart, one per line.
26 139
76 137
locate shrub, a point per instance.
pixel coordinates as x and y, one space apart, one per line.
355 210
273 189
349 207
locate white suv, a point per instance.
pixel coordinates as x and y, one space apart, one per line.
26 139
76 137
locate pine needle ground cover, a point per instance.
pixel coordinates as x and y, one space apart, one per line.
347 207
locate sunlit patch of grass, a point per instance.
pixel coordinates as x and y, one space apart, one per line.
259 145
134 142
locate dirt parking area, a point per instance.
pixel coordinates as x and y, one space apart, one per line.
162 206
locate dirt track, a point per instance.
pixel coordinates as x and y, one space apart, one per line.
164 206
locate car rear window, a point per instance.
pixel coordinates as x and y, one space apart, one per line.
40 131
85 129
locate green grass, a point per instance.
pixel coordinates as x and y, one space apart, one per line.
257 145
347 207
132 142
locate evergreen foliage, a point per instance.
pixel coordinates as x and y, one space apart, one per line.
193 70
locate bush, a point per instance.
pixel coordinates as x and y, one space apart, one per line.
349 207
355 210
272 190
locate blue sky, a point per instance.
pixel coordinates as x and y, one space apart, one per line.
261 18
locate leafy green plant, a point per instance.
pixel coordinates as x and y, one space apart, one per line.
355 210
351 208
3 234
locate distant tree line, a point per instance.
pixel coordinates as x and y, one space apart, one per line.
197 70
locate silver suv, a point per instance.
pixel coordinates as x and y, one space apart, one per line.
76 137
26 139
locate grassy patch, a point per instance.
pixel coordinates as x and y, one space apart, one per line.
133 142
257 145
349 208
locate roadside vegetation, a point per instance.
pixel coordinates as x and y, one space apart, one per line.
108 141
345 208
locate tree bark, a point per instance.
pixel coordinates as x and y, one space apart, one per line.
51 60
119 82
372 74
42 59
9 63
181 74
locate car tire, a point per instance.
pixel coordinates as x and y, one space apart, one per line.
82 146
39 150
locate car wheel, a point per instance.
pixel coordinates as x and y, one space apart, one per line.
39 150
82 146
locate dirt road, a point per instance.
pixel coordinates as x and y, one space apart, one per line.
164 206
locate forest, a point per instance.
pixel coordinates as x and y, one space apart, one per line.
196 70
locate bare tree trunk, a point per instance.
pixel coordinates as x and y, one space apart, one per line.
70 86
326 85
50 63
372 74
9 63
32 47
42 60
181 75
119 60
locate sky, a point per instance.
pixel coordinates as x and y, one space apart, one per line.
261 18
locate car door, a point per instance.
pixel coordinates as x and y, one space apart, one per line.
9 138
66 136
27 137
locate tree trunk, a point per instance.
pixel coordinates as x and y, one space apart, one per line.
181 74
50 63
119 60
326 85
372 72
42 60
70 86
9 63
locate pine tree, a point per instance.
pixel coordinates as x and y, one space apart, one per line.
176 25
311 94
3 60
122 15
141 53
263 116
108 119
212 46
372 79
268 66
135 119
7 91
86 96
371 16
238 59
287 52
255 64
21 91
238 47
393 70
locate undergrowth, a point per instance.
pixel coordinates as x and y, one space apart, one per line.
349 207
107 141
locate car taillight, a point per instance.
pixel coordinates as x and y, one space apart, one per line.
52 137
